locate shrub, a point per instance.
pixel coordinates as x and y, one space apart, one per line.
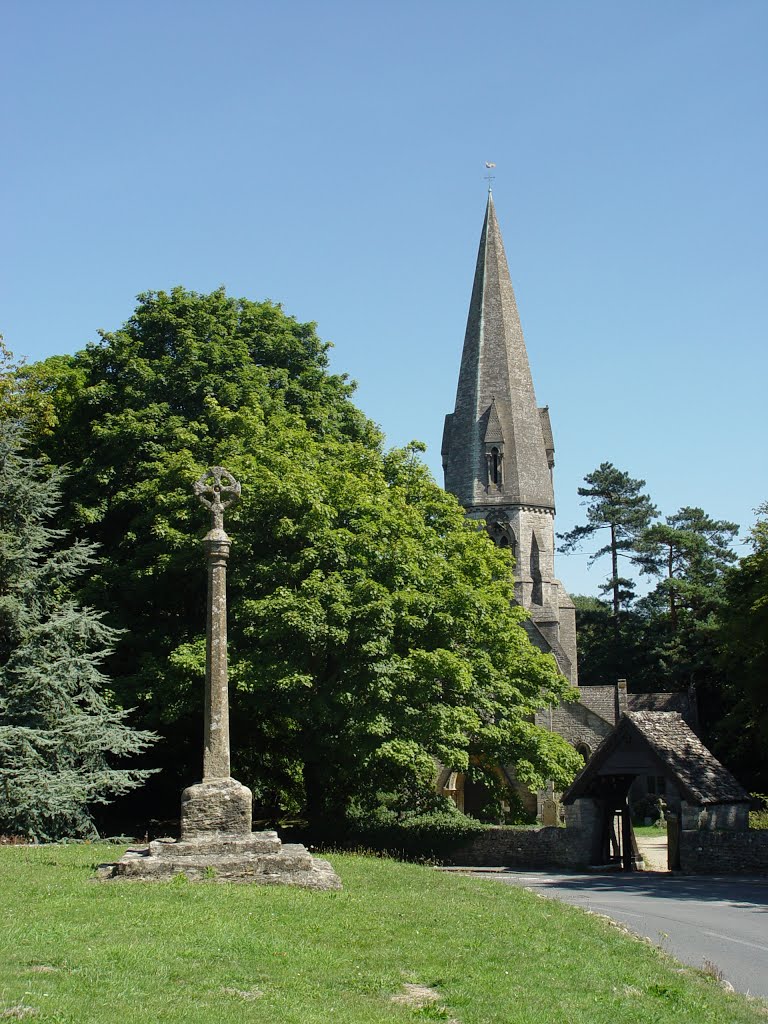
758 818
432 835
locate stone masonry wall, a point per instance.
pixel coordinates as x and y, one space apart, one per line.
528 848
576 723
531 848
724 852
733 817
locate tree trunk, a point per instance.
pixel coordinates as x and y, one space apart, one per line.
615 567
672 603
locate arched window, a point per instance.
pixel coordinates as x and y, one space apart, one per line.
504 542
537 591
495 466
583 749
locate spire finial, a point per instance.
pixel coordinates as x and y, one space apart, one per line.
490 177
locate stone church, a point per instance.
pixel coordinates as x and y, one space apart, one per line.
498 457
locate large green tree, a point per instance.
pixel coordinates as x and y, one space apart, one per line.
62 740
742 730
372 626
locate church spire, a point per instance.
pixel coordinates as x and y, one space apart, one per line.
494 449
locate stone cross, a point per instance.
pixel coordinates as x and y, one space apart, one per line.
215 838
217 489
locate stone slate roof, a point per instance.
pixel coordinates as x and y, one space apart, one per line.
678 702
493 429
697 772
495 371
601 700
548 645
546 429
697 769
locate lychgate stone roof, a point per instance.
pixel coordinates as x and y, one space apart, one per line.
696 771
495 394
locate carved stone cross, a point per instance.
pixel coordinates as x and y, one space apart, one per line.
217 489
216 840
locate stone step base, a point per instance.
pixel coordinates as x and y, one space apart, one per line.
217 844
250 859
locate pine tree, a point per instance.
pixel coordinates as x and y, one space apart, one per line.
59 734
615 502
691 552
742 731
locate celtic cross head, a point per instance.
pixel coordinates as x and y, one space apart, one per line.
217 489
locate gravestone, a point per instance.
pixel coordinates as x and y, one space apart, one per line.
216 841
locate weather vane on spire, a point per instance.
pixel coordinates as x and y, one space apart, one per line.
489 177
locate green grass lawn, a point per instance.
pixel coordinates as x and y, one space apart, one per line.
76 951
650 830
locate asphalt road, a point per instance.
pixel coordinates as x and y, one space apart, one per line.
696 919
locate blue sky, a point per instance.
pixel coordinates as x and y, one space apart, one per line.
330 157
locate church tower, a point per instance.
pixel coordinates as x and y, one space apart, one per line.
498 452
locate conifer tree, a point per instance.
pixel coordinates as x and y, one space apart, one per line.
59 735
742 730
691 552
615 502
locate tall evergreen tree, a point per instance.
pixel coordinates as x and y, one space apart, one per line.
742 729
691 552
615 502
601 660
59 734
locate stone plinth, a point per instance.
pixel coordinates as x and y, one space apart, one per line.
216 805
258 859
217 845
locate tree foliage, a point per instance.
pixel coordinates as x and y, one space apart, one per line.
691 552
60 734
371 625
703 627
601 659
743 643
615 503
669 638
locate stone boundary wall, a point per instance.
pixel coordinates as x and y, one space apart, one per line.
529 848
724 852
